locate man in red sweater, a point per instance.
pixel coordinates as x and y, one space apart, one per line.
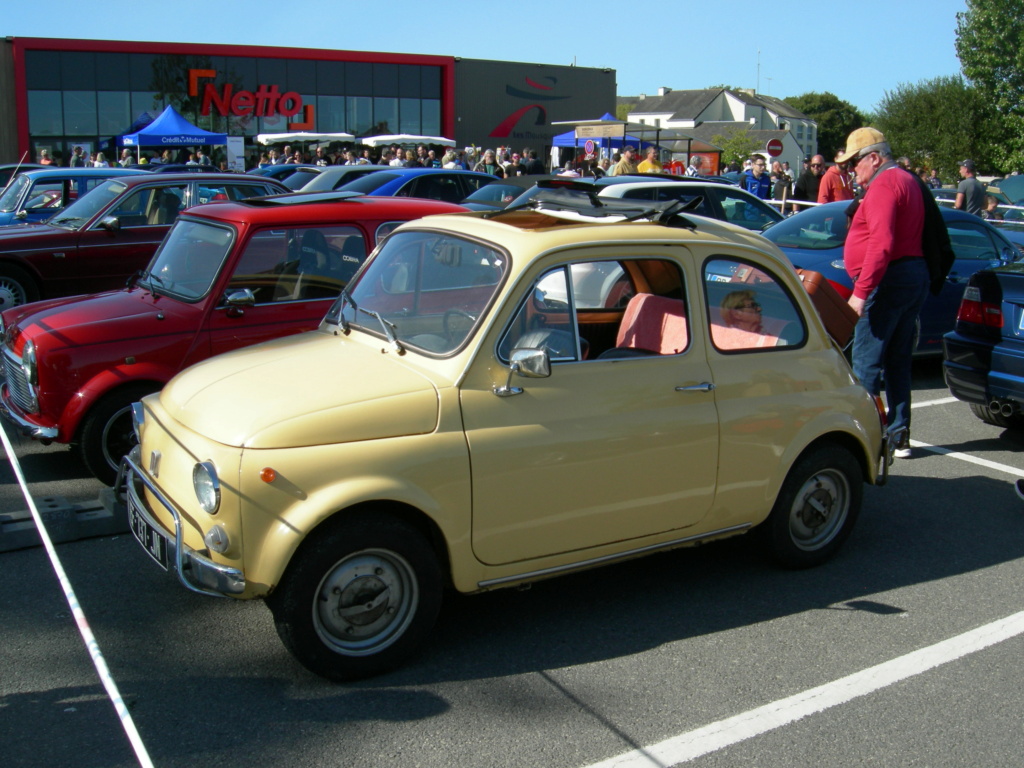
884 257
836 184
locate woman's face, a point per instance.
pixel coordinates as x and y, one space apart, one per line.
746 313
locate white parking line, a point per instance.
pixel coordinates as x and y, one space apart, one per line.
724 733
926 403
967 457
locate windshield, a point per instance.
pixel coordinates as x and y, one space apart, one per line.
11 195
817 229
495 192
370 183
189 260
426 289
87 206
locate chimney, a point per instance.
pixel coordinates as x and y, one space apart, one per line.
663 91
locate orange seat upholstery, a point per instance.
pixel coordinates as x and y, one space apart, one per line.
655 324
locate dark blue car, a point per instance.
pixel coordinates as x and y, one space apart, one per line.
984 354
814 239
451 186
38 194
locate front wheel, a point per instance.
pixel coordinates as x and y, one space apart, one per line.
108 434
816 508
359 597
16 287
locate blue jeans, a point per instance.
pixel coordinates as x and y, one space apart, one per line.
883 341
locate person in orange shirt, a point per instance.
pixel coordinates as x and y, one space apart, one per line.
836 184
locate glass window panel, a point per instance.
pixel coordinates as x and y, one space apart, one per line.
360 115
80 112
45 113
430 82
330 114
385 116
114 112
749 309
113 72
385 79
409 81
330 78
273 72
358 79
241 72
78 71
410 116
301 76
141 67
42 70
431 122
146 101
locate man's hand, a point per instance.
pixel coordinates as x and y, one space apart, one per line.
857 304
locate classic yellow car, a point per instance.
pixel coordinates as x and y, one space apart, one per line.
497 399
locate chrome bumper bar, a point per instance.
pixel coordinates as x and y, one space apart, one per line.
195 571
24 426
890 440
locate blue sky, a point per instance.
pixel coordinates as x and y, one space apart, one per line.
858 51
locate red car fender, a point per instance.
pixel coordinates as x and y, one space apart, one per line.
102 384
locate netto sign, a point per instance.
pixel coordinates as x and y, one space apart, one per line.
265 101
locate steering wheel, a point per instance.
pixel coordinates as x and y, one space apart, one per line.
455 311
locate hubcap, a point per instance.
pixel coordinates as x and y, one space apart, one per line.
365 602
819 510
118 437
11 294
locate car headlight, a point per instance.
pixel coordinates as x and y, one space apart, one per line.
207 486
839 264
28 363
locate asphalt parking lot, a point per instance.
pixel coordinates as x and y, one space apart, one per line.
901 651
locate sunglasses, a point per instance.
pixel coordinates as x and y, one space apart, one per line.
815 165
753 305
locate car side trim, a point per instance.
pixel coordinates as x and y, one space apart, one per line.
531 575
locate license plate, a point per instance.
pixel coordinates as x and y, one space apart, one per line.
151 540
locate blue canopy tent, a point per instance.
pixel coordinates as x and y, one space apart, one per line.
170 129
577 136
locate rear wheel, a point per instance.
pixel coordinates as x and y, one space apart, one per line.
816 508
16 287
107 432
359 597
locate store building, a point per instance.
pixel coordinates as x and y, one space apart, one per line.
58 93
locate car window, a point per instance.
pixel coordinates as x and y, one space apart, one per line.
474 183
150 206
299 264
602 310
971 241
745 210
189 260
434 186
819 228
749 310
428 289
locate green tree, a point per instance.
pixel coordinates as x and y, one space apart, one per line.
939 122
622 111
836 119
737 145
990 45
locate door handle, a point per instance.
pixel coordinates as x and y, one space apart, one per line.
706 386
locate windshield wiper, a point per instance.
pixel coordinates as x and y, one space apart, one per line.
345 299
389 328
66 220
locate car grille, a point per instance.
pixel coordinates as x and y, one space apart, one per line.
17 385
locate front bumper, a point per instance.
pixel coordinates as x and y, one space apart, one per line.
890 441
195 571
10 412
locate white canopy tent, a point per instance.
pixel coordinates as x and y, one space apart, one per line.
404 138
301 136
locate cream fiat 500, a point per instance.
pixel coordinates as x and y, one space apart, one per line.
501 398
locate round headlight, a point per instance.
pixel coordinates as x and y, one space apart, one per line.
28 363
207 486
838 264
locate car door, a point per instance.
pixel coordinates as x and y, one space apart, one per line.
605 450
292 274
105 258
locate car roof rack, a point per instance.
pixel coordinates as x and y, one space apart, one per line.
303 198
581 198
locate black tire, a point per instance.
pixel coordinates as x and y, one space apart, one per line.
16 287
381 573
816 508
989 416
107 433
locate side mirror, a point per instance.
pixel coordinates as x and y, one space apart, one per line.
238 300
529 363
111 224
22 214
1006 256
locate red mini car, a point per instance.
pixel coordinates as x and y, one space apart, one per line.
227 275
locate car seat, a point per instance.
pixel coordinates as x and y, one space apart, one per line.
651 325
167 210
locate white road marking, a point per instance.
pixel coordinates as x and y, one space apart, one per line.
967 457
940 401
724 733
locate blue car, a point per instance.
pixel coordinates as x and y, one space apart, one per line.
451 186
36 195
984 354
814 238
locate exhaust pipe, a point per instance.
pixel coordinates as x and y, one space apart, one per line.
1005 408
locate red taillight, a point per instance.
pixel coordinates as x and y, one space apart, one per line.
974 310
